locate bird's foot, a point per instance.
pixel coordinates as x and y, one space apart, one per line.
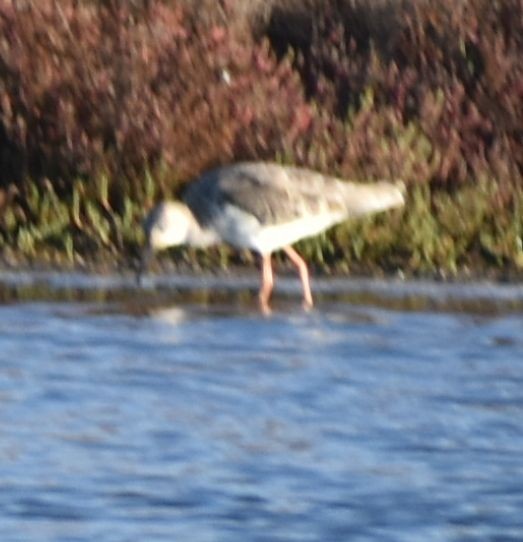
265 308
307 304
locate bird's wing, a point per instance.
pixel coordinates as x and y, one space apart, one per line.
271 193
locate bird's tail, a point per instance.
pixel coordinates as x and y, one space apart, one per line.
366 198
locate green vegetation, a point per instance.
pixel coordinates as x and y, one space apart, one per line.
106 107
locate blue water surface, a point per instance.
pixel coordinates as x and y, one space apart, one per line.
198 421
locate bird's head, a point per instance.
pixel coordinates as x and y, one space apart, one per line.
165 226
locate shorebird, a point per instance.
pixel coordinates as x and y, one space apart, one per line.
263 207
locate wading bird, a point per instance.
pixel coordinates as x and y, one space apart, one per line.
263 207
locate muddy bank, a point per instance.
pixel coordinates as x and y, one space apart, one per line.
239 288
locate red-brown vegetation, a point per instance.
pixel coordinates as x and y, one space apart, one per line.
431 92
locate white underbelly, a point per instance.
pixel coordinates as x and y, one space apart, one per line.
243 230
270 238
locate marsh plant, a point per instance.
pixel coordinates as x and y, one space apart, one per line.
105 107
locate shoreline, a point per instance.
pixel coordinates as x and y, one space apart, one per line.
282 269
481 296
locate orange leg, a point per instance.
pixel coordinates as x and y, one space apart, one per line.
299 262
267 283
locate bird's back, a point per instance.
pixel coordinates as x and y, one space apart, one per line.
275 194
271 193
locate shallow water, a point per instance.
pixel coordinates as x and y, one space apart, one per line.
181 413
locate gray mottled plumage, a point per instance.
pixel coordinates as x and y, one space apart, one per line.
272 193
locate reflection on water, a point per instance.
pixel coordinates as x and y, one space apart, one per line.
127 415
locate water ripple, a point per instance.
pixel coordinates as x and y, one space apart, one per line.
211 423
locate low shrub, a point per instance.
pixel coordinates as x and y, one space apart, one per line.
107 106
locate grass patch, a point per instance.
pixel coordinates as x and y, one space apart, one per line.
436 233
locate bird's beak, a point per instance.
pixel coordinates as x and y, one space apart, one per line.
143 265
